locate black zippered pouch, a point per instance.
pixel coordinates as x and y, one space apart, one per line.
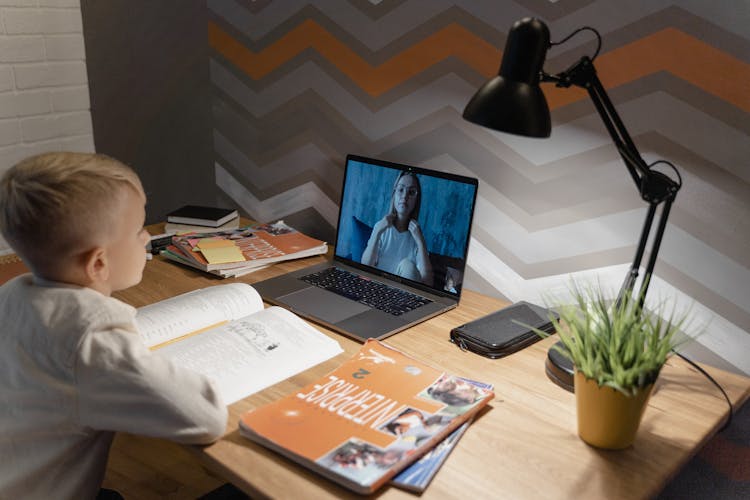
499 333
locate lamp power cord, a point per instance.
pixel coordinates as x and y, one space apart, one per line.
713 381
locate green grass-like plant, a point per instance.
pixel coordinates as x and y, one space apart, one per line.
620 346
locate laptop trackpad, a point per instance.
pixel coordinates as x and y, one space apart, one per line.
322 304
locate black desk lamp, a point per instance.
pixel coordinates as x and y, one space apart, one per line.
513 102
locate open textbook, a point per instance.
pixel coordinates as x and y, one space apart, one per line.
225 333
368 419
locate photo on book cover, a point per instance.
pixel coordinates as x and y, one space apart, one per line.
364 462
418 475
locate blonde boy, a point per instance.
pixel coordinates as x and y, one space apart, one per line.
73 370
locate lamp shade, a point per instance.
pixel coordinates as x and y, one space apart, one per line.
513 101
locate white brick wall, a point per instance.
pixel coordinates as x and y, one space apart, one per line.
44 95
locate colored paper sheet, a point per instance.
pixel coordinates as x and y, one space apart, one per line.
223 254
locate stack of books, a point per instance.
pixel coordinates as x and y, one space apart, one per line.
241 251
194 218
380 416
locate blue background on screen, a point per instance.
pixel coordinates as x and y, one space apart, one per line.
445 213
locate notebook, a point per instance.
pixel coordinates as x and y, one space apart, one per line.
400 254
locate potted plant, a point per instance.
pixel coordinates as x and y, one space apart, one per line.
618 350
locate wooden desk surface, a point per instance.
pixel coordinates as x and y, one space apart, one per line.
524 446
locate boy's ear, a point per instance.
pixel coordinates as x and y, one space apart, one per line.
96 265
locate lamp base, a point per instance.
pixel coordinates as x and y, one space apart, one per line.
559 369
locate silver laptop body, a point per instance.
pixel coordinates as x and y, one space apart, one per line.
372 189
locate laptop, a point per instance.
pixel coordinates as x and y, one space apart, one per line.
382 278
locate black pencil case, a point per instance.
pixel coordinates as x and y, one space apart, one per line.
499 333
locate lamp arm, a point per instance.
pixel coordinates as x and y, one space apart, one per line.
654 187
583 74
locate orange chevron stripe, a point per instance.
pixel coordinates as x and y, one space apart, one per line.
668 50
676 52
453 40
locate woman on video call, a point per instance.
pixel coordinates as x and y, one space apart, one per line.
396 244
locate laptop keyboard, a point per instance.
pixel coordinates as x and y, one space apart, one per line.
365 291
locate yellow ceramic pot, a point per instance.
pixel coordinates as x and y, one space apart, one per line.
607 418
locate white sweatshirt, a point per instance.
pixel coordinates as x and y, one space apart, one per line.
73 370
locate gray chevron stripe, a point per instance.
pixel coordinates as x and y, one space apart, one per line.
445 88
561 57
376 8
376 117
307 163
301 197
600 15
537 199
406 24
703 29
476 282
551 10
265 140
672 117
678 88
702 293
499 241
673 111
730 15
605 241
261 30
254 6
677 115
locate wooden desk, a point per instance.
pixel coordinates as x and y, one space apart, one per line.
524 446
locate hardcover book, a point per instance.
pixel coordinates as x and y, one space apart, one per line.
368 419
174 228
202 216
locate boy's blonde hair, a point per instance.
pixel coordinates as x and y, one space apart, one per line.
55 205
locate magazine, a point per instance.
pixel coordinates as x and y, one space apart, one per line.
418 475
368 419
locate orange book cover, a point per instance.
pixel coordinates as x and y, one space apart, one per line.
260 244
368 419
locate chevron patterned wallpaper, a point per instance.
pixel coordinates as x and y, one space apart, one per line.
296 85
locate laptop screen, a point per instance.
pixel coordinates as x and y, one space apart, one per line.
406 221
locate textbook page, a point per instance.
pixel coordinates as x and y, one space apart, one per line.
254 352
193 311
